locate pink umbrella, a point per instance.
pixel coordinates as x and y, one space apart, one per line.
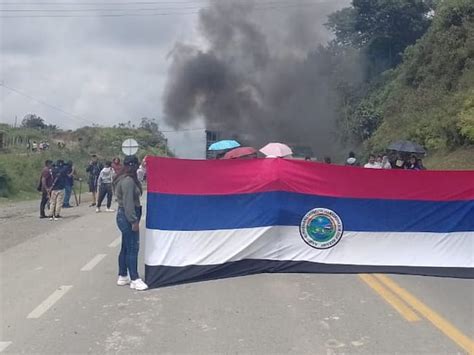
240 152
277 150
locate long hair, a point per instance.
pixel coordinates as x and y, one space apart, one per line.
131 171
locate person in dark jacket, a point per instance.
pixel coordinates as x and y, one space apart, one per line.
57 190
69 169
46 180
94 170
128 191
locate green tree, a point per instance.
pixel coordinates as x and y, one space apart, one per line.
381 28
33 121
152 126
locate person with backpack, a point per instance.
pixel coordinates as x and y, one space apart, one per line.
57 190
105 180
45 182
94 170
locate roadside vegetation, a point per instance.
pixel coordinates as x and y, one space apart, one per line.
418 60
20 167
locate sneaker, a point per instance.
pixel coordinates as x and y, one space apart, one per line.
97 210
138 285
109 210
55 218
92 205
41 217
52 218
123 280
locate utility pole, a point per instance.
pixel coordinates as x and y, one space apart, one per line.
16 120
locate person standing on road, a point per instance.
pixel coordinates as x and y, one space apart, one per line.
105 186
129 191
116 165
94 170
141 172
69 183
57 190
46 180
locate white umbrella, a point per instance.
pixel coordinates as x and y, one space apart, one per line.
277 150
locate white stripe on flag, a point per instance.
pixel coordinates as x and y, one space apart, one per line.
182 248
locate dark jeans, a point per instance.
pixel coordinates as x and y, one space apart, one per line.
105 189
44 201
128 257
67 195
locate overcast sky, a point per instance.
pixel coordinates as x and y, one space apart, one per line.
102 70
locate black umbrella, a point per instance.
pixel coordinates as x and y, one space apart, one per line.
407 147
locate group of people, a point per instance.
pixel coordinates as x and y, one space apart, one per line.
100 181
55 185
384 162
101 177
37 147
125 180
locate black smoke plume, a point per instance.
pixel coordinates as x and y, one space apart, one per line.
265 75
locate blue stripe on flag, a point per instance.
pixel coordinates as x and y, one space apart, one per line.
213 212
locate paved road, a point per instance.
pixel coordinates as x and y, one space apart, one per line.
58 295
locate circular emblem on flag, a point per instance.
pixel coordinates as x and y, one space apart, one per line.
321 228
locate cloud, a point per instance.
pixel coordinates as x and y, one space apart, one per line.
105 70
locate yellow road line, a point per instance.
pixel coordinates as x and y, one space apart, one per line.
391 298
438 321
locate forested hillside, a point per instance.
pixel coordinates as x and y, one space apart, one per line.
419 79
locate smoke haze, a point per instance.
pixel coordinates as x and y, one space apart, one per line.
263 74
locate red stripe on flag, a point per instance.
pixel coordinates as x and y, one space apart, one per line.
225 177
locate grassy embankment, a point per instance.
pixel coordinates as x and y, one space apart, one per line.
19 169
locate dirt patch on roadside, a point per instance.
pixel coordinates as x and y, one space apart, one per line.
19 221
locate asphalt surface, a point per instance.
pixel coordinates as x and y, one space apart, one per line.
58 295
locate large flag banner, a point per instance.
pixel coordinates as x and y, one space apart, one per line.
224 218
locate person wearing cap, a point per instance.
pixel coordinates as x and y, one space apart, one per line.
128 191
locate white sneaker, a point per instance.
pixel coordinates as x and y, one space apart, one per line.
123 280
51 218
138 285
109 210
97 210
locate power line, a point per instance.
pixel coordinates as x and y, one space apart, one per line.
103 15
184 130
79 118
103 9
257 8
125 3
193 4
